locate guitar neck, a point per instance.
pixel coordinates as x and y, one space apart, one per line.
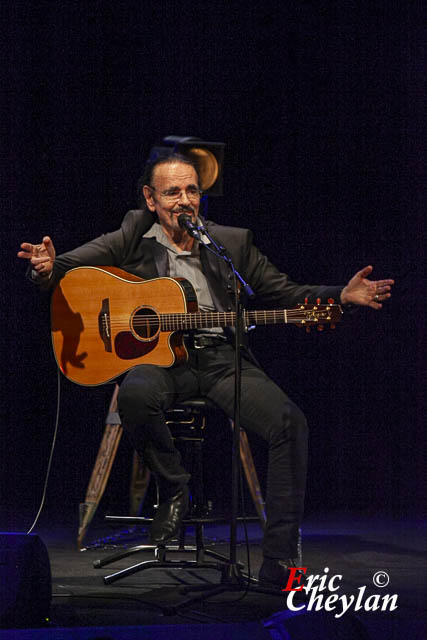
210 319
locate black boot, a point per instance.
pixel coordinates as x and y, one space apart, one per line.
169 516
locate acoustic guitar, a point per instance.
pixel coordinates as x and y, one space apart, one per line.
106 321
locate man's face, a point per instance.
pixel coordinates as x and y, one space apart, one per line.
168 177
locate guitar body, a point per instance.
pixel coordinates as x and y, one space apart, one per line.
104 322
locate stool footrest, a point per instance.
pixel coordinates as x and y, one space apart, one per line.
187 521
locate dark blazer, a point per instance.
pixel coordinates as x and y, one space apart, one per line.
145 257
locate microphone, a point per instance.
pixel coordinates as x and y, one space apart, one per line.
184 221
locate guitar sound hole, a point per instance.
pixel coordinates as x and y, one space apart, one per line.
145 323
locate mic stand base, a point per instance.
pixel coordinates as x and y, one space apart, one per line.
232 581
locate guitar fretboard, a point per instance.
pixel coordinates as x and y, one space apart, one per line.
210 319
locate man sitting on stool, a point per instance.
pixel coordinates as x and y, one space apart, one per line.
150 243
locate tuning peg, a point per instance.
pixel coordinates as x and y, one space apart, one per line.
320 327
331 300
318 300
332 325
305 300
307 329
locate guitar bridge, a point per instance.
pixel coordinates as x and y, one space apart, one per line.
104 324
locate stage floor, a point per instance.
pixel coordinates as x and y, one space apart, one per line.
351 546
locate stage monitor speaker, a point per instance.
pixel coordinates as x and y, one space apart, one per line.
25 581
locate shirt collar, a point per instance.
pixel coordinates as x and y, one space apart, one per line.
156 232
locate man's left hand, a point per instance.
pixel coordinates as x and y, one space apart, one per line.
364 292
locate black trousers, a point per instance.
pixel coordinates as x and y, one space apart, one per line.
147 391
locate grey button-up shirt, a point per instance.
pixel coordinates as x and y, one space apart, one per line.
187 264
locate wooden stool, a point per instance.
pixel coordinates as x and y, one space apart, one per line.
189 417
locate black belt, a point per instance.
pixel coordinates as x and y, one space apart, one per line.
201 342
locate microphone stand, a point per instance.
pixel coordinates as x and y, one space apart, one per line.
231 577
234 574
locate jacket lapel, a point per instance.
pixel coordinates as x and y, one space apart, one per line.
155 258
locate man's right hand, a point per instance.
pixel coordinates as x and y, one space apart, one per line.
41 256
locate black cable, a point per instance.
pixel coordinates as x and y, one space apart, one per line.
52 449
248 555
245 528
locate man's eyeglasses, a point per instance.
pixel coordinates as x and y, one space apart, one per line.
172 195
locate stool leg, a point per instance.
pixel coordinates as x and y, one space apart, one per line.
101 472
139 484
251 475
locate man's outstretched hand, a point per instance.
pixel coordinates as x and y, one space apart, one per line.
41 256
364 292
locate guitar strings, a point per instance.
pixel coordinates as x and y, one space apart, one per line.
220 316
217 319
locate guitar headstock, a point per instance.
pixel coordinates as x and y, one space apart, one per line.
317 315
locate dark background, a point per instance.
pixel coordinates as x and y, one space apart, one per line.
321 106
